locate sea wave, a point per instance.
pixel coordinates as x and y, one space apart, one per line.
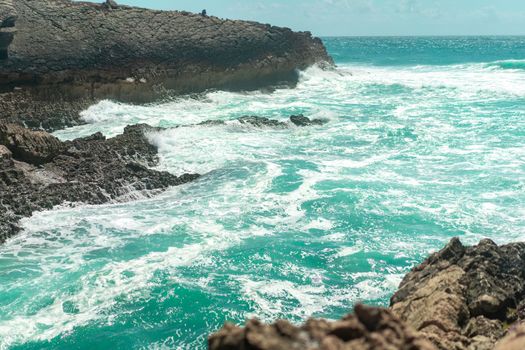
517 65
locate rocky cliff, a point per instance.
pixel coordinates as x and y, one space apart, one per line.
59 56
460 298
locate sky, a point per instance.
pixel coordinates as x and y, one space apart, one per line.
367 17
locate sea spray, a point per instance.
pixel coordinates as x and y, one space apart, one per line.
285 223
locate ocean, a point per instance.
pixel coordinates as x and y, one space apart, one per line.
425 141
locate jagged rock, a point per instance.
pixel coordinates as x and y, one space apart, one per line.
66 55
367 329
460 297
301 120
92 170
260 122
34 147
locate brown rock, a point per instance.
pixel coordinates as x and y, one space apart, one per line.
515 340
460 297
368 329
34 147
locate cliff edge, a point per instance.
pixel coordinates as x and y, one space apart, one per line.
58 56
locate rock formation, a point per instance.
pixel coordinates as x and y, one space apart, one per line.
465 297
460 298
367 329
59 56
263 122
38 171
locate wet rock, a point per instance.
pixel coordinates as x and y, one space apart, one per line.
368 328
52 67
461 297
301 120
262 122
91 170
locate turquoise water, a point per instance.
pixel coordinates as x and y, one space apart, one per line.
425 141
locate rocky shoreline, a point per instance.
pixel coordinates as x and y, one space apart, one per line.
39 171
84 52
460 298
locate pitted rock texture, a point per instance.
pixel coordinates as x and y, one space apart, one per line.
367 329
68 52
92 170
465 297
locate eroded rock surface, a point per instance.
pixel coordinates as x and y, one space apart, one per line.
367 329
38 171
464 297
460 298
60 56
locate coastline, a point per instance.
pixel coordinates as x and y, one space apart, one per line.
462 298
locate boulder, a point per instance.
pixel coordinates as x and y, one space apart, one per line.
34 147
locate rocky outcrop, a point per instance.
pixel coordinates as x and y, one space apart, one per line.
38 171
367 329
460 298
263 122
465 297
64 55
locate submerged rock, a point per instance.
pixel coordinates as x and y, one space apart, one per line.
39 171
367 329
260 122
59 56
301 120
